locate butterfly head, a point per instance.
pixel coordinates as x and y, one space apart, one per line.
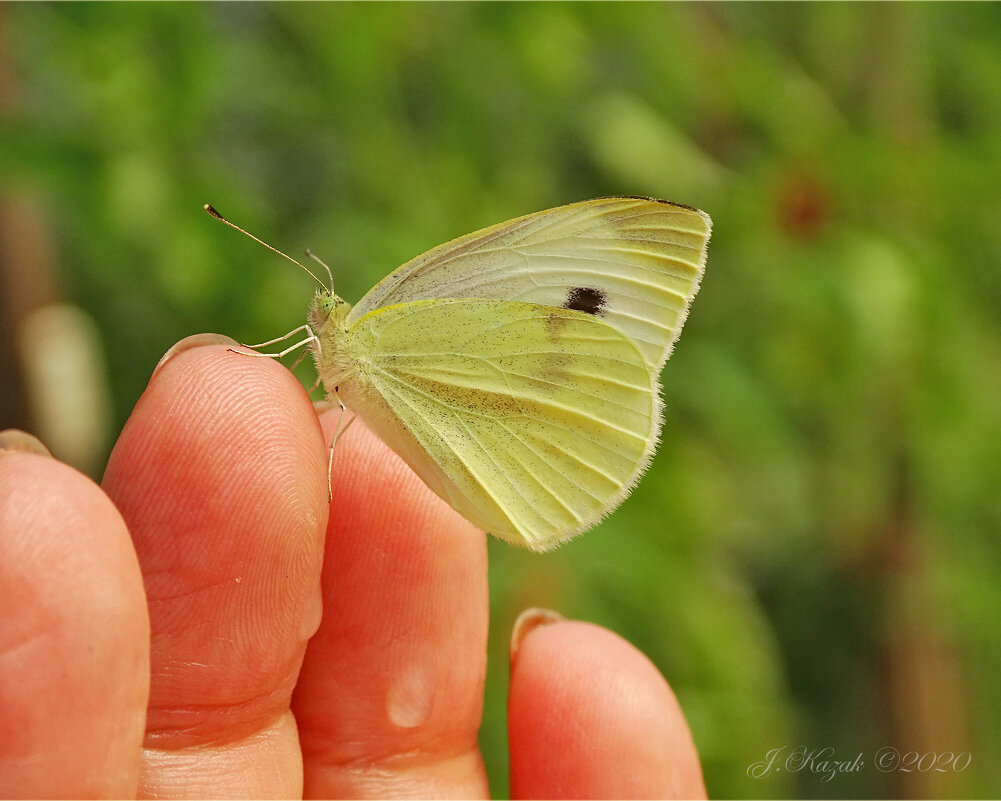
327 309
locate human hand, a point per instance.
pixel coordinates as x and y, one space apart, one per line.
178 632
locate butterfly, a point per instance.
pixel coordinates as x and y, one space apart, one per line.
516 369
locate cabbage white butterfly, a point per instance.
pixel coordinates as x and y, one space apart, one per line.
516 369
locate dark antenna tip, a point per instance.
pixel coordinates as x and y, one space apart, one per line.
213 212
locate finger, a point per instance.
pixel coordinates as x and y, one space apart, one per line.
391 690
590 717
74 637
220 473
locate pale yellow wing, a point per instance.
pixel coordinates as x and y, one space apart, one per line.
635 262
532 421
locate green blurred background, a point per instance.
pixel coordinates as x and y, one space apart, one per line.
813 558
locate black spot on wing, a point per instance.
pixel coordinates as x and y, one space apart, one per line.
586 299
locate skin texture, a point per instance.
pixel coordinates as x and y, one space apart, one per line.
194 627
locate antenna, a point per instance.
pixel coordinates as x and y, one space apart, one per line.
219 217
323 264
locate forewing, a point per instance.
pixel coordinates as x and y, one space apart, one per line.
532 421
635 262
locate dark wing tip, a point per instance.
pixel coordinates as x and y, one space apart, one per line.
651 200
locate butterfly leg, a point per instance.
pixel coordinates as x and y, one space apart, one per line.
338 433
298 361
304 327
311 339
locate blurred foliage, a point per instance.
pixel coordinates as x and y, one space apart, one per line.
813 558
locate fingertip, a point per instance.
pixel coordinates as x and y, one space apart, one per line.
220 473
62 534
74 635
48 505
590 716
205 393
391 688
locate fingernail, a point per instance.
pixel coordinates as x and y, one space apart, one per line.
14 441
194 341
529 620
